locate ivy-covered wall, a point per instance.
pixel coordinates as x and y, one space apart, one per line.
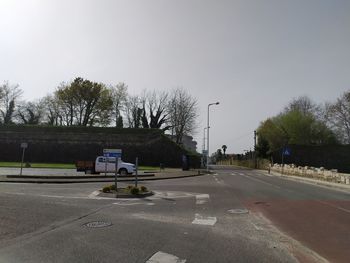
69 144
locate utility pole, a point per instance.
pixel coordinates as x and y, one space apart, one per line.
255 159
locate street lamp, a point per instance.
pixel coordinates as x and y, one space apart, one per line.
208 127
204 138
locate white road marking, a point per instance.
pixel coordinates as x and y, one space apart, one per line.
202 199
241 173
94 195
261 181
256 227
334 206
162 257
201 220
127 204
54 196
233 174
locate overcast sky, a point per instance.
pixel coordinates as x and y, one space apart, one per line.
252 56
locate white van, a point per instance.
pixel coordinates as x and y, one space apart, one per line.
103 164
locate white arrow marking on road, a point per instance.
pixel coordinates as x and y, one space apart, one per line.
202 199
162 257
201 220
126 204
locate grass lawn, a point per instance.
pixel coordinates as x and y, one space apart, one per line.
40 165
61 166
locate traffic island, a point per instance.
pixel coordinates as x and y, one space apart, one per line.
127 192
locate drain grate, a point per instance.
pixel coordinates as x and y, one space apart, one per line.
238 211
97 224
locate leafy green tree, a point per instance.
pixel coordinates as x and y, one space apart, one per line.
85 103
262 147
294 127
219 154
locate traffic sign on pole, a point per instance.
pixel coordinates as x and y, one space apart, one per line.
287 151
116 153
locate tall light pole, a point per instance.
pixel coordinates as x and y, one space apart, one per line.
204 138
208 127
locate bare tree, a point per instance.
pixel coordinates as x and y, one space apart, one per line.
183 113
303 104
155 110
133 111
9 95
119 95
52 111
338 117
30 112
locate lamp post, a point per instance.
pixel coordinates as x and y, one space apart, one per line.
204 138
208 127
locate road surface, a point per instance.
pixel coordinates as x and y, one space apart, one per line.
234 215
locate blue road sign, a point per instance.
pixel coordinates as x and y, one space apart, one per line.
116 153
286 151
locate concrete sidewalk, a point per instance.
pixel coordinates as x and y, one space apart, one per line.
81 178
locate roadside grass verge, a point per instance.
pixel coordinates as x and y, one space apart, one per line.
61 166
39 165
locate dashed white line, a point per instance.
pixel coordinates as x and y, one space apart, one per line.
261 181
202 199
334 206
202 220
162 257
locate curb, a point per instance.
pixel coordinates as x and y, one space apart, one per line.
95 181
63 177
343 188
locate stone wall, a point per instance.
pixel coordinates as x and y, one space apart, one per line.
69 144
312 172
327 156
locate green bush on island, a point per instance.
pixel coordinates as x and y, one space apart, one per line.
134 190
106 189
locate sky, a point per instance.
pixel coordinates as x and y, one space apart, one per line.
253 56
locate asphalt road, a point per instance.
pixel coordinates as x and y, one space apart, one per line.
232 216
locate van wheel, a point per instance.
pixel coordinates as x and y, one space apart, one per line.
123 172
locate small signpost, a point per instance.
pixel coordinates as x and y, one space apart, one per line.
114 153
285 152
24 146
136 170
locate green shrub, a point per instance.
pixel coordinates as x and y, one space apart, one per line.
106 189
143 189
134 190
129 187
112 187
